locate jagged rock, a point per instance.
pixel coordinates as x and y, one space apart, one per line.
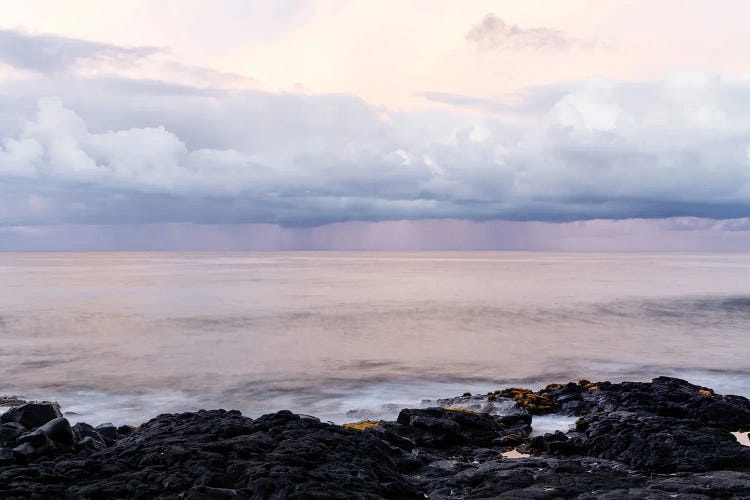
90 445
275 456
125 430
664 396
107 431
34 445
659 444
435 452
441 427
556 443
530 478
82 430
32 415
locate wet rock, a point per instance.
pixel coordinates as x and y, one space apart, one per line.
664 396
275 456
82 430
107 431
441 427
556 443
90 445
527 400
32 415
440 453
531 478
58 430
125 430
10 432
659 444
719 484
34 445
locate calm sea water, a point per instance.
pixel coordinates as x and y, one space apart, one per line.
125 336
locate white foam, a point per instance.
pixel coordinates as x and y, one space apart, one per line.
542 424
742 437
95 407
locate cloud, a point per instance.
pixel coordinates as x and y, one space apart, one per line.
128 152
467 101
492 32
57 54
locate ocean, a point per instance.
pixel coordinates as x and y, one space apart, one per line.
123 337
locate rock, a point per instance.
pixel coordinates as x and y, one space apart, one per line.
664 396
6 456
654 451
556 443
659 444
34 445
107 431
83 430
32 415
208 493
11 401
90 445
441 427
10 432
125 430
530 478
58 430
197 455
719 484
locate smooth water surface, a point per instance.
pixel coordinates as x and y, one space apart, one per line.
124 336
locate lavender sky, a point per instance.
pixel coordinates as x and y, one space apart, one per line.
353 125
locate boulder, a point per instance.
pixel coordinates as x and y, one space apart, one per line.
32 415
107 431
441 427
58 430
34 445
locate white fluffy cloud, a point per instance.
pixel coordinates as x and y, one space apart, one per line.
103 151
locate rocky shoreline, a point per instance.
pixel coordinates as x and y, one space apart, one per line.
663 439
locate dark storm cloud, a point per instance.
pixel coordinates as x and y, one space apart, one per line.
56 54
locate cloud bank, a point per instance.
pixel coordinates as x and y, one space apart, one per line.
119 151
54 53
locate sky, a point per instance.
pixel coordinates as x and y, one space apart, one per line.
363 125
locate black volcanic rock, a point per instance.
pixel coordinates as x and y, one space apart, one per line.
441 428
222 453
673 441
32 415
664 396
58 430
659 444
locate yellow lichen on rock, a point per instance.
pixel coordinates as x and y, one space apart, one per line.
705 392
360 426
465 410
528 400
552 387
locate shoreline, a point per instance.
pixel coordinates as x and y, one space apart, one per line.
629 440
